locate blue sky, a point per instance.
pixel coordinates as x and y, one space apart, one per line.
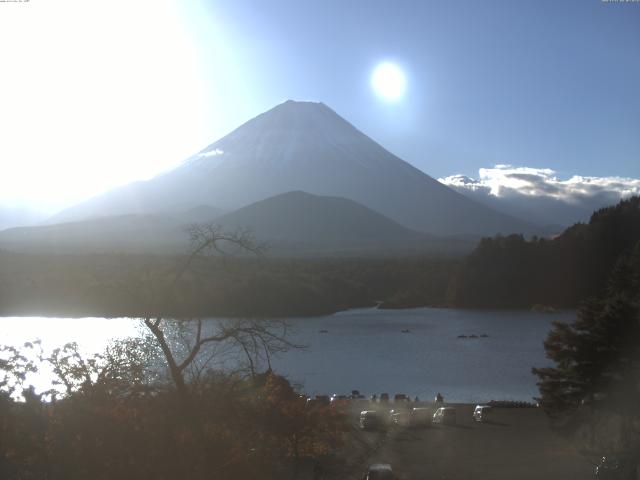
551 84
99 94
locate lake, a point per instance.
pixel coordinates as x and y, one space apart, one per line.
367 350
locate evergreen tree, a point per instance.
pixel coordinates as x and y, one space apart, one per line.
597 358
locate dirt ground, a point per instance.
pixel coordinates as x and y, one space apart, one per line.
517 444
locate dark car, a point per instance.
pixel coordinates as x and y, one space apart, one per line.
370 420
384 398
339 400
612 467
322 399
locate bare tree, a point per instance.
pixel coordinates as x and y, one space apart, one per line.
256 339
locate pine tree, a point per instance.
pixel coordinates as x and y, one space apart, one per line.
597 358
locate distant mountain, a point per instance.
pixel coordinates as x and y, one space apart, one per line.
17 216
293 223
308 147
118 233
304 223
199 214
160 233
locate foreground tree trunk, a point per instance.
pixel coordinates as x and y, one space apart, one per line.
257 339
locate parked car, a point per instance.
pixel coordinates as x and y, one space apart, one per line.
337 399
370 420
318 400
395 411
421 416
379 471
400 419
445 416
613 467
482 413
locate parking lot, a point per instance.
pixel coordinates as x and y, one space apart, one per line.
516 444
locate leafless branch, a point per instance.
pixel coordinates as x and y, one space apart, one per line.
254 338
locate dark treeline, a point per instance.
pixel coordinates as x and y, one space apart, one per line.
592 392
136 285
512 272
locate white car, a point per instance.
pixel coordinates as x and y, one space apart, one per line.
379 471
482 413
421 416
445 416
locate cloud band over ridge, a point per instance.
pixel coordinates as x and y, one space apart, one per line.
539 195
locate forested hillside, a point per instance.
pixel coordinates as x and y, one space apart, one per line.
137 285
512 272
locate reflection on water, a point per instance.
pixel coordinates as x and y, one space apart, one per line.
414 351
92 335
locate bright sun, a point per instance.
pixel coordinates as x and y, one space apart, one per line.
388 81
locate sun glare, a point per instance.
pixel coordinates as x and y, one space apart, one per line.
93 95
389 81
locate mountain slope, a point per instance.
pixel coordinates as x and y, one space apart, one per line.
304 146
298 221
122 233
17 216
292 224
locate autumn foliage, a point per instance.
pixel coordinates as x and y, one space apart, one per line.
232 428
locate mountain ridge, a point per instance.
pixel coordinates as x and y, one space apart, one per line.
293 224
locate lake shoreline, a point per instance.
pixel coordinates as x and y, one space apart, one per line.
73 313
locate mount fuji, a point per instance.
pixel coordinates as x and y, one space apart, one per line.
302 146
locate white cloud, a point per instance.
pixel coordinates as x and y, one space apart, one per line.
540 195
462 181
506 180
211 153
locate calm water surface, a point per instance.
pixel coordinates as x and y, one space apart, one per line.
365 349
